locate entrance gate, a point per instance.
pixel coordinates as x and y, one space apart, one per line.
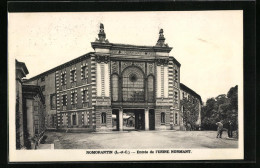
133 119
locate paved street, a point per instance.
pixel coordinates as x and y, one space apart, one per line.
139 140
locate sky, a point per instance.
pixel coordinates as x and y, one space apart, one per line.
208 44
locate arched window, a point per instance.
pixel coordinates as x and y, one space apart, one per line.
103 118
133 84
114 88
150 85
163 118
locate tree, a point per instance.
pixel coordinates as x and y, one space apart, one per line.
190 113
209 114
233 113
223 107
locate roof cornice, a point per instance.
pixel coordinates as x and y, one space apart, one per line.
186 88
76 60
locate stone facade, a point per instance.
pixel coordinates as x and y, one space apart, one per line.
34 118
190 108
21 72
112 80
47 84
30 108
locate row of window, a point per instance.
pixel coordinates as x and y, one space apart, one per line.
176 75
74 119
73 98
104 118
176 97
84 74
190 98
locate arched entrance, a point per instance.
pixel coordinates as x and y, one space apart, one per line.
133 119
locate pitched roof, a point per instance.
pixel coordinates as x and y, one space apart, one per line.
76 60
189 90
21 65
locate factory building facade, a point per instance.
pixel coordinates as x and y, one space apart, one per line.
85 92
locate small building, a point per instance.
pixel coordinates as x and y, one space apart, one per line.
20 71
190 108
30 109
34 121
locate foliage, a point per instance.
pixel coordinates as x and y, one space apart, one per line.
190 113
223 107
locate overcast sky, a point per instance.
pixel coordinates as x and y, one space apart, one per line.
208 44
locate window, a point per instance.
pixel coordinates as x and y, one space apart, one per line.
53 101
73 100
64 120
103 118
36 124
63 79
150 84
84 72
176 75
176 118
73 76
74 119
182 95
53 120
162 118
64 99
42 79
133 85
176 97
114 88
85 98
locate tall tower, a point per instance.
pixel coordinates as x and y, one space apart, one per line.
101 66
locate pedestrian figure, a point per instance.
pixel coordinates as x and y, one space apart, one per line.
220 129
230 129
188 127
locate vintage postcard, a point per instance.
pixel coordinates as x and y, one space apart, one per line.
125 86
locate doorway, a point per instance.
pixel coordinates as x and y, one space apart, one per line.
133 119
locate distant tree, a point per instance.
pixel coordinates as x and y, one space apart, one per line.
209 114
223 107
208 109
233 109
